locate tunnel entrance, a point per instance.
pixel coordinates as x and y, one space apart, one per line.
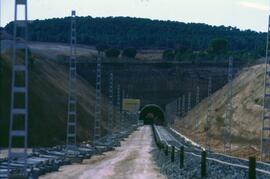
152 114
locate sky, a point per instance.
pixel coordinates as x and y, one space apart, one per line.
244 14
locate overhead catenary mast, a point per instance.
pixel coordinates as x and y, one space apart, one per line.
122 112
18 127
197 115
208 116
72 99
228 119
179 107
110 112
183 106
265 121
97 129
189 101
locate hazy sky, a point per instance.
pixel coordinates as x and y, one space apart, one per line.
245 14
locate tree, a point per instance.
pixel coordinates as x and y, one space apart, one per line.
168 55
112 53
218 46
102 47
130 52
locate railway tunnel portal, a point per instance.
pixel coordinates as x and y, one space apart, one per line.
152 114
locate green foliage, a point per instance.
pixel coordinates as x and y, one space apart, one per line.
130 52
168 55
112 53
218 46
125 32
102 47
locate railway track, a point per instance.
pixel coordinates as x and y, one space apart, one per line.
218 164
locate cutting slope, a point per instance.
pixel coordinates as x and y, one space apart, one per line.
247 99
48 95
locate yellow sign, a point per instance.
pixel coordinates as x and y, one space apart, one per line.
131 105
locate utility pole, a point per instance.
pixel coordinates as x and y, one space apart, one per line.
228 119
208 116
72 99
97 130
18 127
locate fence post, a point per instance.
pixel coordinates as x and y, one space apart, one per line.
252 168
182 157
172 154
203 164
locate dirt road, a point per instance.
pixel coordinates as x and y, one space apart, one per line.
132 160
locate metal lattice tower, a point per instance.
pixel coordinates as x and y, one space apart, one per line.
72 99
18 128
122 111
189 101
118 104
110 112
265 122
183 105
179 107
97 130
197 115
208 115
228 119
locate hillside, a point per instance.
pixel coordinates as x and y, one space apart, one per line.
247 99
48 95
142 33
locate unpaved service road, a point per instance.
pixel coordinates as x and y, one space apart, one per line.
132 160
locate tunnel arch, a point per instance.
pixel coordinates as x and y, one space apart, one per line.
152 114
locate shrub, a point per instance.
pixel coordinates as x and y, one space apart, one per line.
130 52
112 53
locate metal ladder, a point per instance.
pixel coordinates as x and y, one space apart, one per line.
72 99
265 121
228 119
97 129
18 131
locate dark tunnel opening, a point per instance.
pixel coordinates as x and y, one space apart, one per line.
152 114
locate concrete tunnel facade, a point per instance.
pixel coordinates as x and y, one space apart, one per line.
152 114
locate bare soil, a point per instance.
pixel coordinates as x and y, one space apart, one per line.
132 160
